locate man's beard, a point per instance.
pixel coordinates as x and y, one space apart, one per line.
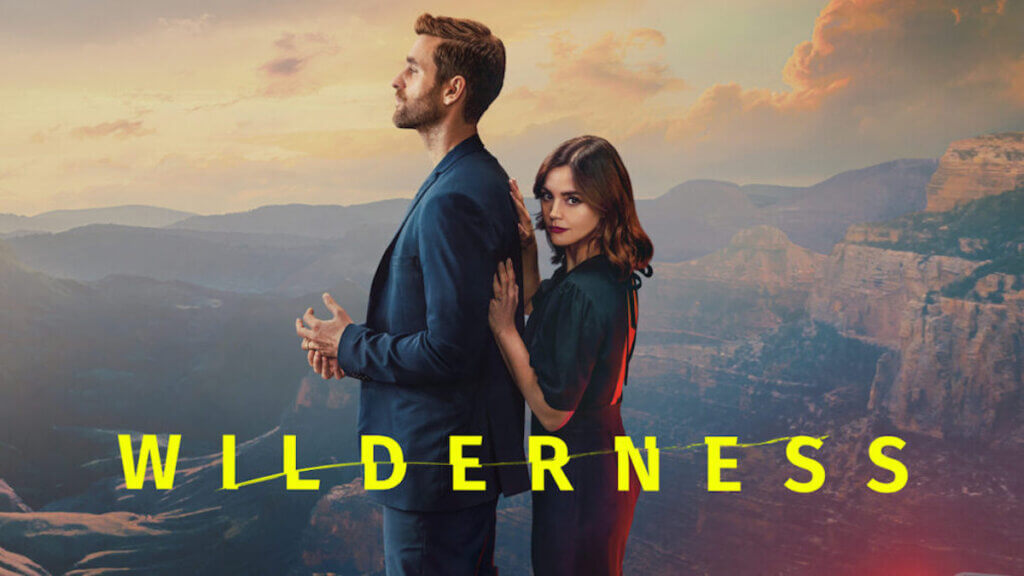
422 111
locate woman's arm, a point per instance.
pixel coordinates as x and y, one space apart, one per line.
514 352
528 241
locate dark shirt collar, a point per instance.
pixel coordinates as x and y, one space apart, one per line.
467 146
600 261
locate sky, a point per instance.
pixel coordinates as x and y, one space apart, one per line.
225 105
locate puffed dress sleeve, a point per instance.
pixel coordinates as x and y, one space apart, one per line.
566 346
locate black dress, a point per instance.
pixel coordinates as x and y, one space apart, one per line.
580 336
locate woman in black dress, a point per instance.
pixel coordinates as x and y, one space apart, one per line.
572 366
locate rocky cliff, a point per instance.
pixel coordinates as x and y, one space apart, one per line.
12 564
755 283
944 291
977 167
9 500
760 255
961 369
864 290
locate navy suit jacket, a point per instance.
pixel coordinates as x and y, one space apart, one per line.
428 361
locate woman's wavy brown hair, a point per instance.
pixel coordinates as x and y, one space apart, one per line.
601 179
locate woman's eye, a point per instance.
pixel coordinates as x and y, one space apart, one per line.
545 196
573 200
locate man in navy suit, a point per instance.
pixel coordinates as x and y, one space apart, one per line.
429 366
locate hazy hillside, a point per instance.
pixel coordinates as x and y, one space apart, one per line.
817 217
700 216
302 219
60 220
298 248
696 218
759 338
135 353
238 262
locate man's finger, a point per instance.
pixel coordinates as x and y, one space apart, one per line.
318 361
333 369
302 331
333 306
309 357
311 320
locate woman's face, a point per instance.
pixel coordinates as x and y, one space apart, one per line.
568 219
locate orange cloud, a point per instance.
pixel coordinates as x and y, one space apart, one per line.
607 82
604 70
878 41
339 144
117 129
870 57
286 75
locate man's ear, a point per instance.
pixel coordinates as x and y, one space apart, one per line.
454 89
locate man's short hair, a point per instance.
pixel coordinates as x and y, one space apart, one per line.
468 49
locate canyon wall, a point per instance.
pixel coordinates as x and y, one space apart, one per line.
976 167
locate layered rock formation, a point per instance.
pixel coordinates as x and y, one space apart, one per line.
752 285
977 167
12 564
9 501
760 255
344 533
865 290
961 371
943 290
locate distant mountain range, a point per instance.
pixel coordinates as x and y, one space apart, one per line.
700 216
235 261
911 327
61 220
326 221
298 248
136 353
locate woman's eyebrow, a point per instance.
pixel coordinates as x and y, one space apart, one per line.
544 190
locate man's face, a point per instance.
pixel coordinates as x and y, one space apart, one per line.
417 94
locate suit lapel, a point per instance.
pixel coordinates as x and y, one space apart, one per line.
467 146
381 274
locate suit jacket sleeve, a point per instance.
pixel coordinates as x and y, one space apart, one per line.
458 256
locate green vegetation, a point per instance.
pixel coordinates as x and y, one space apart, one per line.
1012 265
990 228
986 229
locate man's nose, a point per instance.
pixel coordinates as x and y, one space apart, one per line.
396 83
